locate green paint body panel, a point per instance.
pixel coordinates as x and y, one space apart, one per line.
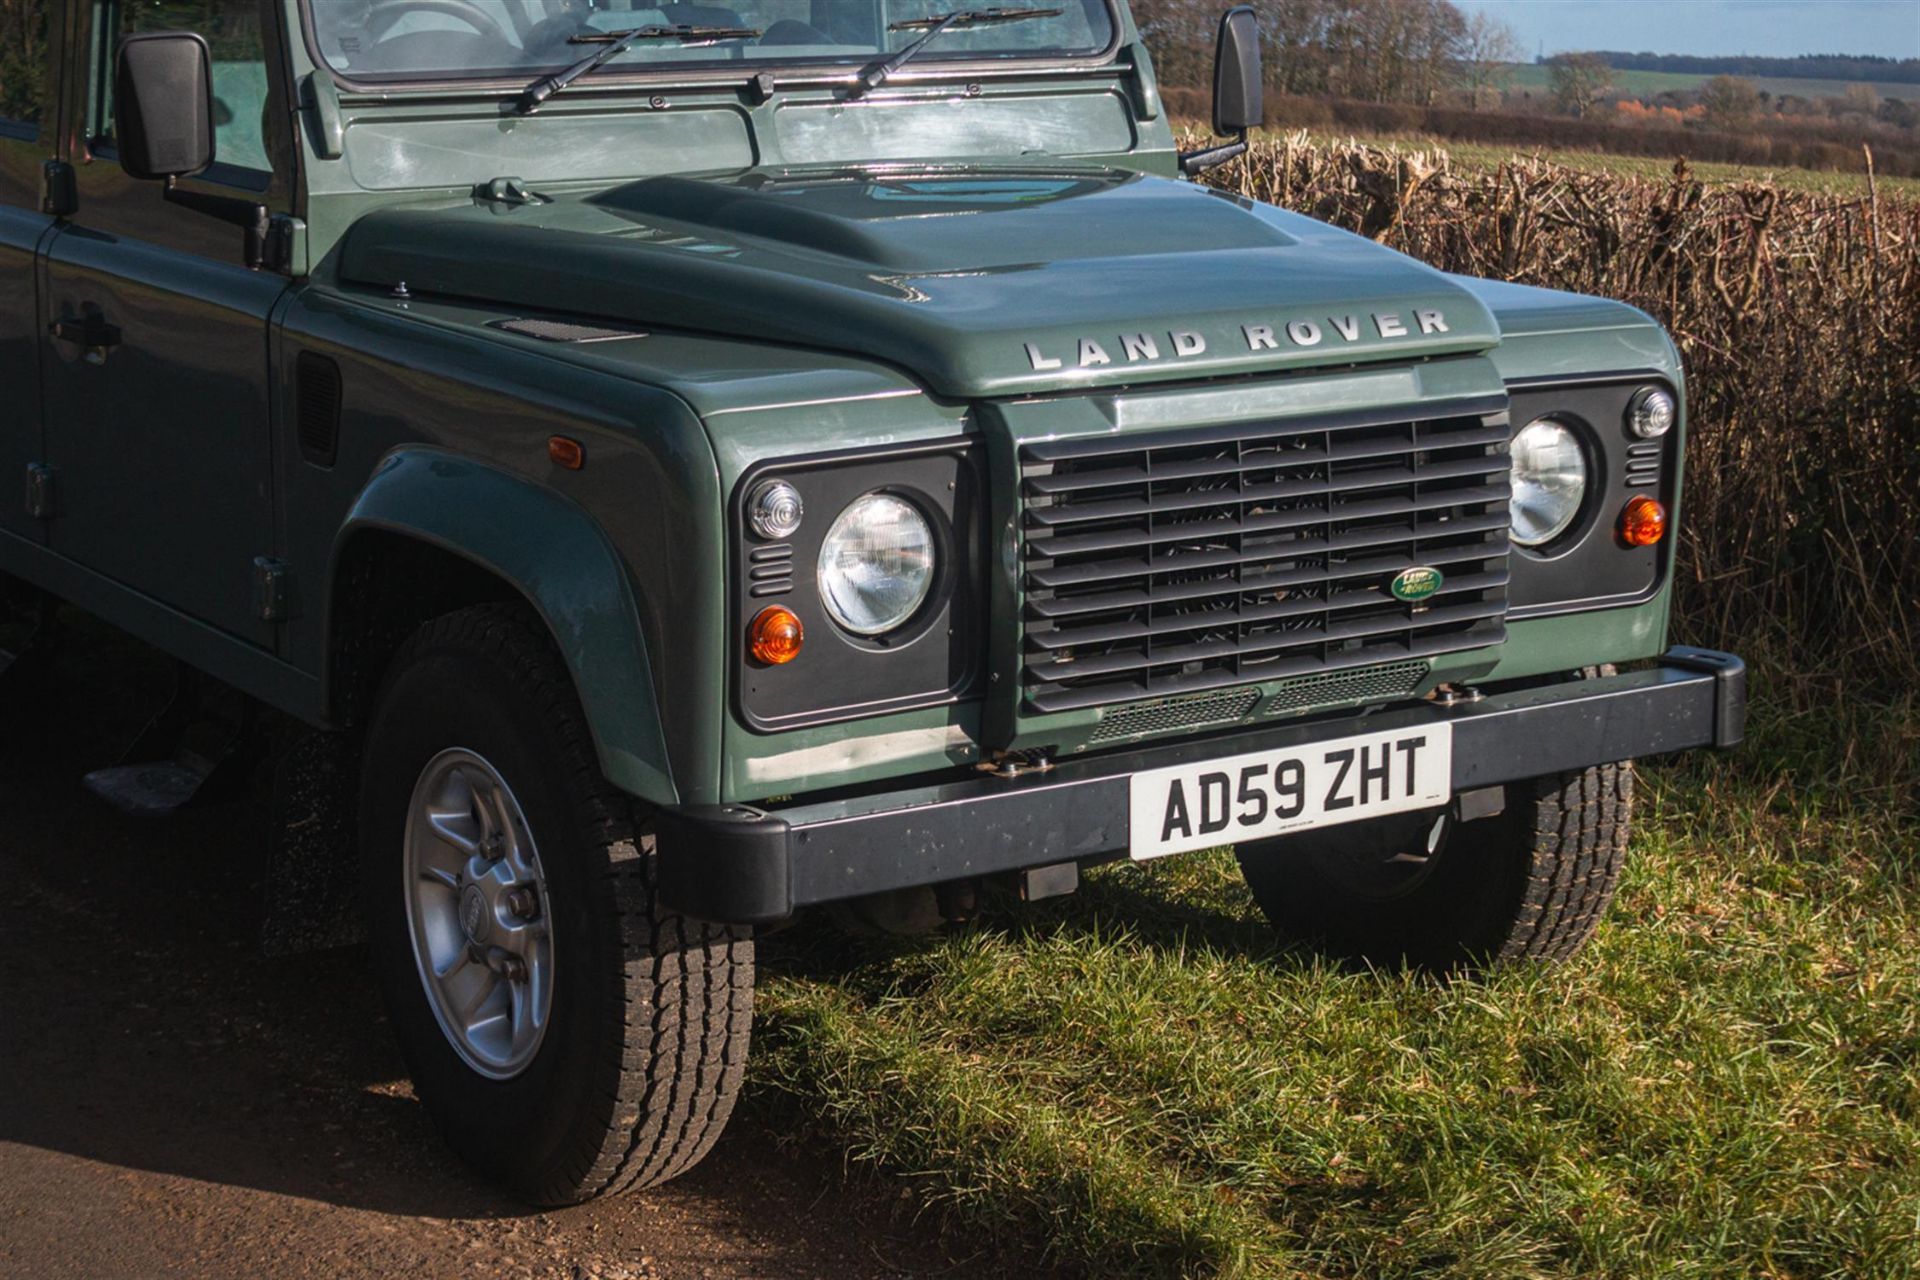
988 255
571 574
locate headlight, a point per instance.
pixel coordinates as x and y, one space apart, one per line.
876 564
1549 481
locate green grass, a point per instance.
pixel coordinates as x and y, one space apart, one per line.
1529 75
1137 1081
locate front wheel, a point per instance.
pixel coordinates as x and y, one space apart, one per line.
1427 889
569 1035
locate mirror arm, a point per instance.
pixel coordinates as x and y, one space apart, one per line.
1197 162
249 216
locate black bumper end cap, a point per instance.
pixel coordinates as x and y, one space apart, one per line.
1730 689
725 862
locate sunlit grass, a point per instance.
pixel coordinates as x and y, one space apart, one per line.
1726 1083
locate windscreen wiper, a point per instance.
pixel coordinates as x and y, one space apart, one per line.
616 43
876 75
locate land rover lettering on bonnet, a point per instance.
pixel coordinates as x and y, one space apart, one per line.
666 470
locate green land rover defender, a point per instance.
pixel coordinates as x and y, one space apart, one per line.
667 466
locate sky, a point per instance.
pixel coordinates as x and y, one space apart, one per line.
1778 28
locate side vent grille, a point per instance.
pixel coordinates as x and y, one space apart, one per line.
317 408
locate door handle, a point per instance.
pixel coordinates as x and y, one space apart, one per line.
90 332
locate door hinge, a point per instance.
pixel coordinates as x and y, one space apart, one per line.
272 589
59 190
40 491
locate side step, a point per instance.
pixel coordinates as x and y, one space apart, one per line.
189 751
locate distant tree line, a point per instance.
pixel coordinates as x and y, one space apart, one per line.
1366 50
1807 66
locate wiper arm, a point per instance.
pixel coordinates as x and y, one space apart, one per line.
615 43
876 75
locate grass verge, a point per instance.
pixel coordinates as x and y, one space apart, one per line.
1139 1082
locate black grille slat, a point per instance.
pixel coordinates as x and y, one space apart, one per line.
1186 561
1335 603
1195 651
1108 601
1489 407
1279 491
1341 451
1073 699
1417 530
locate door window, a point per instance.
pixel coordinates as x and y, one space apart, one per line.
231 29
23 65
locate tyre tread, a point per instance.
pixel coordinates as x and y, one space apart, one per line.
678 1053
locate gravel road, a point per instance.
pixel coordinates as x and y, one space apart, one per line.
174 1103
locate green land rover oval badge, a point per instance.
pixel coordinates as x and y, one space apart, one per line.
1414 585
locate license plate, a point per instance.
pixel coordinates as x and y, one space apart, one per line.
1270 793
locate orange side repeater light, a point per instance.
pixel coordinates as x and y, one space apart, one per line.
565 451
1643 522
775 635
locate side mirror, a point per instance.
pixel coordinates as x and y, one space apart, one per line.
1237 89
163 129
163 105
1237 103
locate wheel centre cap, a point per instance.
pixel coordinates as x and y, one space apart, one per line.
476 917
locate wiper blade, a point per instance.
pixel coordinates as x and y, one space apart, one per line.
615 43
875 76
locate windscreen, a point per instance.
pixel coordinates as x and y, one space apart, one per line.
437 39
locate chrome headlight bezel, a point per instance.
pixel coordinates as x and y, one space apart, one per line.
1552 477
889 537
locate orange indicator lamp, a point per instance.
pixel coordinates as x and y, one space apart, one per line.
1643 522
775 635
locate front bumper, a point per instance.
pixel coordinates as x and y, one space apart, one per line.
742 864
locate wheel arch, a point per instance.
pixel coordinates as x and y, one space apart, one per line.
432 532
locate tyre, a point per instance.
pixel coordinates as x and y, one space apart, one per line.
570 1036
1426 889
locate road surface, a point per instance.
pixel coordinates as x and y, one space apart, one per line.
174 1103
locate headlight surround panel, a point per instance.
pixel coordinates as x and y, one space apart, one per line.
1586 566
931 658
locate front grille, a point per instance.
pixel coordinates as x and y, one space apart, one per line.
1207 711
1179 562
1362 684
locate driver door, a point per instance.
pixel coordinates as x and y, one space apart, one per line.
159 431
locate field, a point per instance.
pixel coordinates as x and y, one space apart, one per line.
1141 1080
1646 168
1532 76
